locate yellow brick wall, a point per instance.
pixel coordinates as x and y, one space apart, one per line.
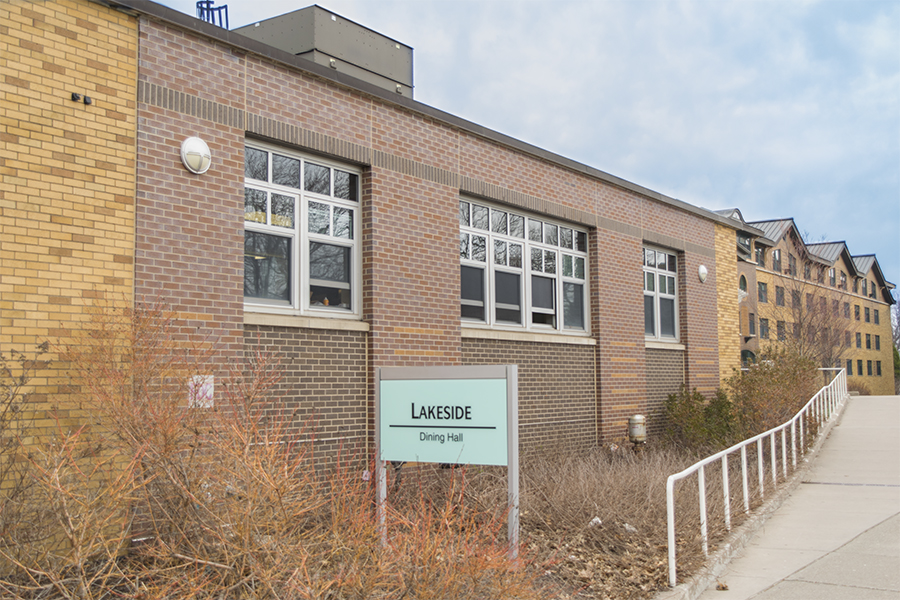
878 385
67 175
727 300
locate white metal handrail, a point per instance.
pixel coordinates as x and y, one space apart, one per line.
818 410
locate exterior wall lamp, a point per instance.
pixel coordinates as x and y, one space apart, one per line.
701 273
195 155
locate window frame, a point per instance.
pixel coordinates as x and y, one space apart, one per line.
658 296
498 241
762 292
300 302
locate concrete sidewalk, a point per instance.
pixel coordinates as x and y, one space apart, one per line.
838 535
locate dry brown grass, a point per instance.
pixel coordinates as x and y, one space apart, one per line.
228 505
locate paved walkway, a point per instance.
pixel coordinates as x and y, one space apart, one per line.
838 535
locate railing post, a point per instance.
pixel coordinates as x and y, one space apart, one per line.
702 485
670 528
794 443
726 492
744 479
760 468
774 461
802 420
784 452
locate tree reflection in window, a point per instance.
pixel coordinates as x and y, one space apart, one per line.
329 275
267 266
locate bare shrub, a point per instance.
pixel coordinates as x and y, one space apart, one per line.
772 391
226 502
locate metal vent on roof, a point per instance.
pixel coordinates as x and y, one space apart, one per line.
217 15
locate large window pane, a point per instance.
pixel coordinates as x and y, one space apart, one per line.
317 179
283 211
346 186
498 221
573 305
256 164
464 214
543 301
517 226
329 275
542 295
649 316
255 205
267 266
667 317
319 218
479 217
508 297
343 223
286 171
472 292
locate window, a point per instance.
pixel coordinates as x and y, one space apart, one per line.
807 272
752 324
764 329
856 311
743 283
831 280
792 265
762 292
796 328
835 308
520 271
877 342
660 294
859 367
865 287
868 316
846 310
875 318
856 285
846 338
869 368
868 341
809 301
858 340
849 367
301 231
760 256
781 331
776 260
878 368
872 290
795 298
779 295
843 281
820 275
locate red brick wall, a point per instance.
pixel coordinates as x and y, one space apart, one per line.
556 396
322 391
190 228
665 375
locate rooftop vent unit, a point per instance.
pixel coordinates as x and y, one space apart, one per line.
217 15
330 40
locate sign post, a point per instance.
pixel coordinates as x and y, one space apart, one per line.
450 415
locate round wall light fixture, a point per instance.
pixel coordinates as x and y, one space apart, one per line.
702 272
195 155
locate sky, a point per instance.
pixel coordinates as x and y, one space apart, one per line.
787 108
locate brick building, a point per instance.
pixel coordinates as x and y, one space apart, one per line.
344 225
832 306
